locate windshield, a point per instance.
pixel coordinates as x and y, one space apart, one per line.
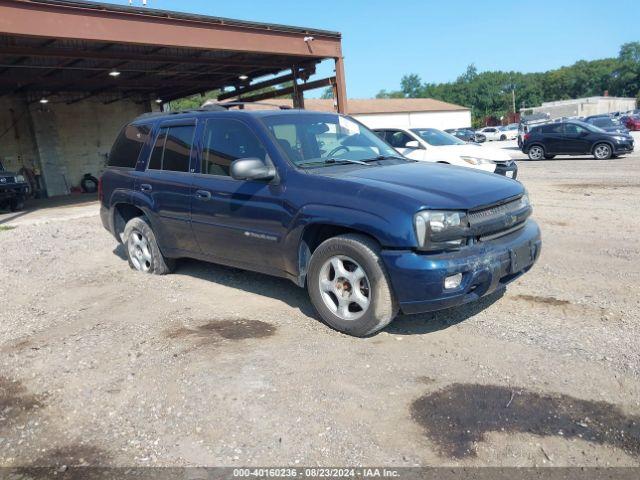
310 139
437 138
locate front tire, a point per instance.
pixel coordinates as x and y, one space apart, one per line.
536 152
349 287
16 204
602 151
503 138
142 248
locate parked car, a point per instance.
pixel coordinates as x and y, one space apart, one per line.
466 135
574 138
433 145
510 131
529 121
606 123
631 122
493 133
14 189
321 200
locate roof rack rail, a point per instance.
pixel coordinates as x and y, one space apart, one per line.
222 106
228 105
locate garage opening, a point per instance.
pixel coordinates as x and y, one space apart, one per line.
72 73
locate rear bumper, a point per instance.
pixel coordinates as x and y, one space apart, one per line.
507 169
418 279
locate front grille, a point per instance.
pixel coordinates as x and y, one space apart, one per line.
492 213
493 236
7 180
494 222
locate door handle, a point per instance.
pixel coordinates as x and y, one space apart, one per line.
145 187
203 195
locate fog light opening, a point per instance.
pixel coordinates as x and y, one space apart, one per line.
452 281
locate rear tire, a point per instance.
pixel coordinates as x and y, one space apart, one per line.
503 137
536 152
602 151
349 287
142 248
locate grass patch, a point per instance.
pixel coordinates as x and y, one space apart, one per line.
6 227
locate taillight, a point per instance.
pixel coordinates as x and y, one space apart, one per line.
527 136
100 189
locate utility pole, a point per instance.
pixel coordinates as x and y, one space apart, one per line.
513 99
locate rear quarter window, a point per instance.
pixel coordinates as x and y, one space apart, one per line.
128 145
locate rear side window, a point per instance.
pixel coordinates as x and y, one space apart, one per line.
126 149
172 150
556 128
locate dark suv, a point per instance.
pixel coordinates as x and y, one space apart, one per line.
13 189
574 138
321 200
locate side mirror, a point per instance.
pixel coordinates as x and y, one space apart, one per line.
251 169
412 144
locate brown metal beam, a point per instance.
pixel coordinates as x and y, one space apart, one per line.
133 26
256 86
341 86
139 57
303 87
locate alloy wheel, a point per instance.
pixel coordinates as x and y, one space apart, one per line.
602 151
536 153
139 251
345 287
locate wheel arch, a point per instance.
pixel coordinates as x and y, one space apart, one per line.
122 213
536 144
606 142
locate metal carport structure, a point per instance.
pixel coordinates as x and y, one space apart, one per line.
69 53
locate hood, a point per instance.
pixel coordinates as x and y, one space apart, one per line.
470 150
619 129
433 185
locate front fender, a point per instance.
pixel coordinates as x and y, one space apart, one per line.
395 233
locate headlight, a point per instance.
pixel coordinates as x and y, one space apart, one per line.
524 200
20 179
440 230
476 160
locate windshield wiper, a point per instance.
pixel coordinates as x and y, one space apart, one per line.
388 157
334 161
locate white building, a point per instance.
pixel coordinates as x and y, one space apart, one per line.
394 112
583 107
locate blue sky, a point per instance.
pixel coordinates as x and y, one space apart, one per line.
437 39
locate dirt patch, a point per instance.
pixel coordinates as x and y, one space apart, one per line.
554 302
239 329
460 415
68 463
425 380
596 186
15 400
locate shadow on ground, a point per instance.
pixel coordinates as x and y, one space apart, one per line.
284 290
459 416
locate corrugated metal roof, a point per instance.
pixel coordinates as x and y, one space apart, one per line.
185 16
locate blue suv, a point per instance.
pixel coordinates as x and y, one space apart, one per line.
321 200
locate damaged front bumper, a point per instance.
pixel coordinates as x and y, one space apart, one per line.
418 278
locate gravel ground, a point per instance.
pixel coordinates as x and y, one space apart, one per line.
214 366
